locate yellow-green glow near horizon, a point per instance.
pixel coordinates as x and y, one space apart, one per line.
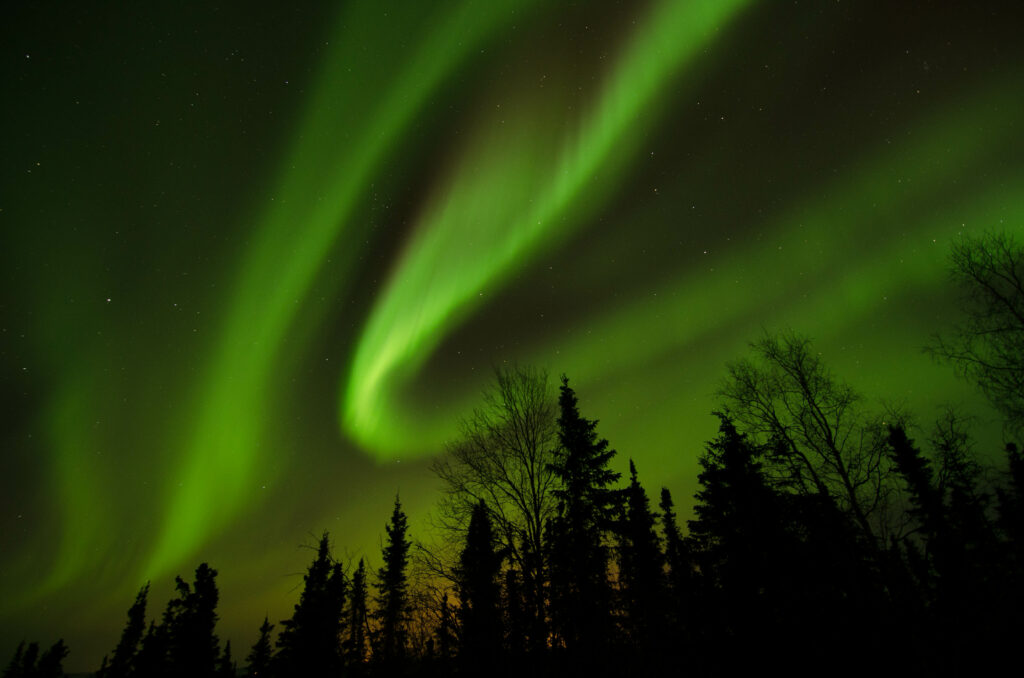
259 260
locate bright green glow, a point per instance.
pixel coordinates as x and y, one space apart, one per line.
514 194
479 224
339 148
824 279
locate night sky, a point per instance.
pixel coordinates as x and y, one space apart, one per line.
259 258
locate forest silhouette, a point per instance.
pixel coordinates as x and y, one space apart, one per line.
828 537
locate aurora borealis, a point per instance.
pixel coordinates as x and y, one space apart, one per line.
259 260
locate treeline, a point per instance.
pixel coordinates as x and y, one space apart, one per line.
828 537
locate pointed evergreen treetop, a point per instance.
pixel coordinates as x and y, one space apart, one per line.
122 664
309 641
582 466
261 655
392 590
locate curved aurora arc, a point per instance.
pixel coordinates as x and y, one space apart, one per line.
513 195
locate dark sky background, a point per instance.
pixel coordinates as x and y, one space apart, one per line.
259 258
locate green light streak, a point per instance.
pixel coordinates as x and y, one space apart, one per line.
511 198
817 245
339 148
478 224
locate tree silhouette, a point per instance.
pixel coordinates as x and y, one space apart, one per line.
987 347
641 571
309 643
355 644
51 662
479 596
819 438
446 637
680 576
16 668
578 555
152 657
122 664
739 540
225 666
193 646
261 656
955 555
393 609
504 457
27 662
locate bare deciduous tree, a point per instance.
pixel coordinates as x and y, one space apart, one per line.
987 347
823 439
503 457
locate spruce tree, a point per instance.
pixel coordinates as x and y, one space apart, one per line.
258 663
151 661
641 568
479 596
310 642
194 648
355 644
27 661
578 557
23 662
680 578
445 637
225 666
14 668
122 664
393 610
51 662
743 548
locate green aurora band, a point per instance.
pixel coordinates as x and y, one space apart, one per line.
631 206
518 191
295 240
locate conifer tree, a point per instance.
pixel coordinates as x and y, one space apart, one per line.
151 661
479 595
225 666
641 567
310 642
732 506
587 505
393 609
515 614
27 662
194 648
680 566
446 637
122 664
14 667
23 662
680 578
743 548
51 662
355 644
258 663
